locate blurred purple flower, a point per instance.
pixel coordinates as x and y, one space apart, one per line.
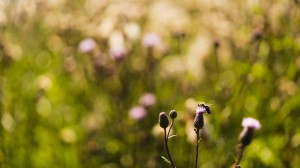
117 48
87 45
137 113
150 40
117 52
147 99
250 122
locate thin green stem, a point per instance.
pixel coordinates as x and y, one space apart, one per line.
167 149
197 146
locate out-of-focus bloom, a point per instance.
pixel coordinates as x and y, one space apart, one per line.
106 27
44 82
87 45
163 120
68 135
150 40
195 57
189 131
137 113
190 104
250 122
92 122
180 20
8 122
157 131
147 99
117 45
132 31
117 52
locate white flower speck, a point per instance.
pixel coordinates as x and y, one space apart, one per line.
250 122
200 109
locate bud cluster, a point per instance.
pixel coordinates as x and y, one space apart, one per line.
163 118
245 137
163 121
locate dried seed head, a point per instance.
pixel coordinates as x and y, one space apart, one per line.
173 114
163 120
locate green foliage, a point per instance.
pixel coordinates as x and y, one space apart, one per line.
71 73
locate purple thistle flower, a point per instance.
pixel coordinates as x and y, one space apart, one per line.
87 45
150 40
147 99
249 124
117 52
137 113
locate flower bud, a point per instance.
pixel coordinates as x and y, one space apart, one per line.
249 124
199 122
173 114
163 120
246 136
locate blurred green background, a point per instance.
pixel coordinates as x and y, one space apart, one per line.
82 82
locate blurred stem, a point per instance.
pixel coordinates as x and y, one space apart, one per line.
170 129
215 53
180 37
240 149
167 148
136 147
197 146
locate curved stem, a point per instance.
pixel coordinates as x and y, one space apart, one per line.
167 149
170 129
197 146
240 154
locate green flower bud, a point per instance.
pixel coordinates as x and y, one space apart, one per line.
173 114
163 120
